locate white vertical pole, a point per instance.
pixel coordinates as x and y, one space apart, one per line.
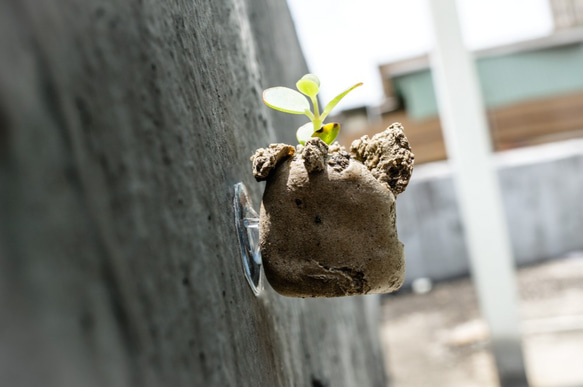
468 146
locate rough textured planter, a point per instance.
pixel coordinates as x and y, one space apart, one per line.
327 220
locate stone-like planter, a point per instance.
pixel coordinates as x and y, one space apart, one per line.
327 220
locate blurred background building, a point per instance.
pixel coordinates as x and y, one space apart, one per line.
567 13
532 90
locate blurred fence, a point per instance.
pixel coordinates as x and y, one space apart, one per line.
542 189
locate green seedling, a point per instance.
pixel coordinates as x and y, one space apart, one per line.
290 101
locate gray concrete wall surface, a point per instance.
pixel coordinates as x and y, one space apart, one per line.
123 128
542 190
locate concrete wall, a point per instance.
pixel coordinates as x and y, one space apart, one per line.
123 127
542 189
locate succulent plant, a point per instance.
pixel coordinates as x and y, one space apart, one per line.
290 101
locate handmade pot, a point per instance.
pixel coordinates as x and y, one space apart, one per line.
327 220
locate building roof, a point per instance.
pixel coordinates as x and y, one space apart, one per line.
421 62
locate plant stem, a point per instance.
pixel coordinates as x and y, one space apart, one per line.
316 120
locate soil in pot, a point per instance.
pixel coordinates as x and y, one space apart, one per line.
327 220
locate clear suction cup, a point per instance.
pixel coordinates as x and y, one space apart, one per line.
247 224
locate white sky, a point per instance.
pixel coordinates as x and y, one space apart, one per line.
344 41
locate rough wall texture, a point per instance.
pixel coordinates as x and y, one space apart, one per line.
123 127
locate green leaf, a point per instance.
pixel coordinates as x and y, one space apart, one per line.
304 133
328 132
335 101
286 100
313 78
309 85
